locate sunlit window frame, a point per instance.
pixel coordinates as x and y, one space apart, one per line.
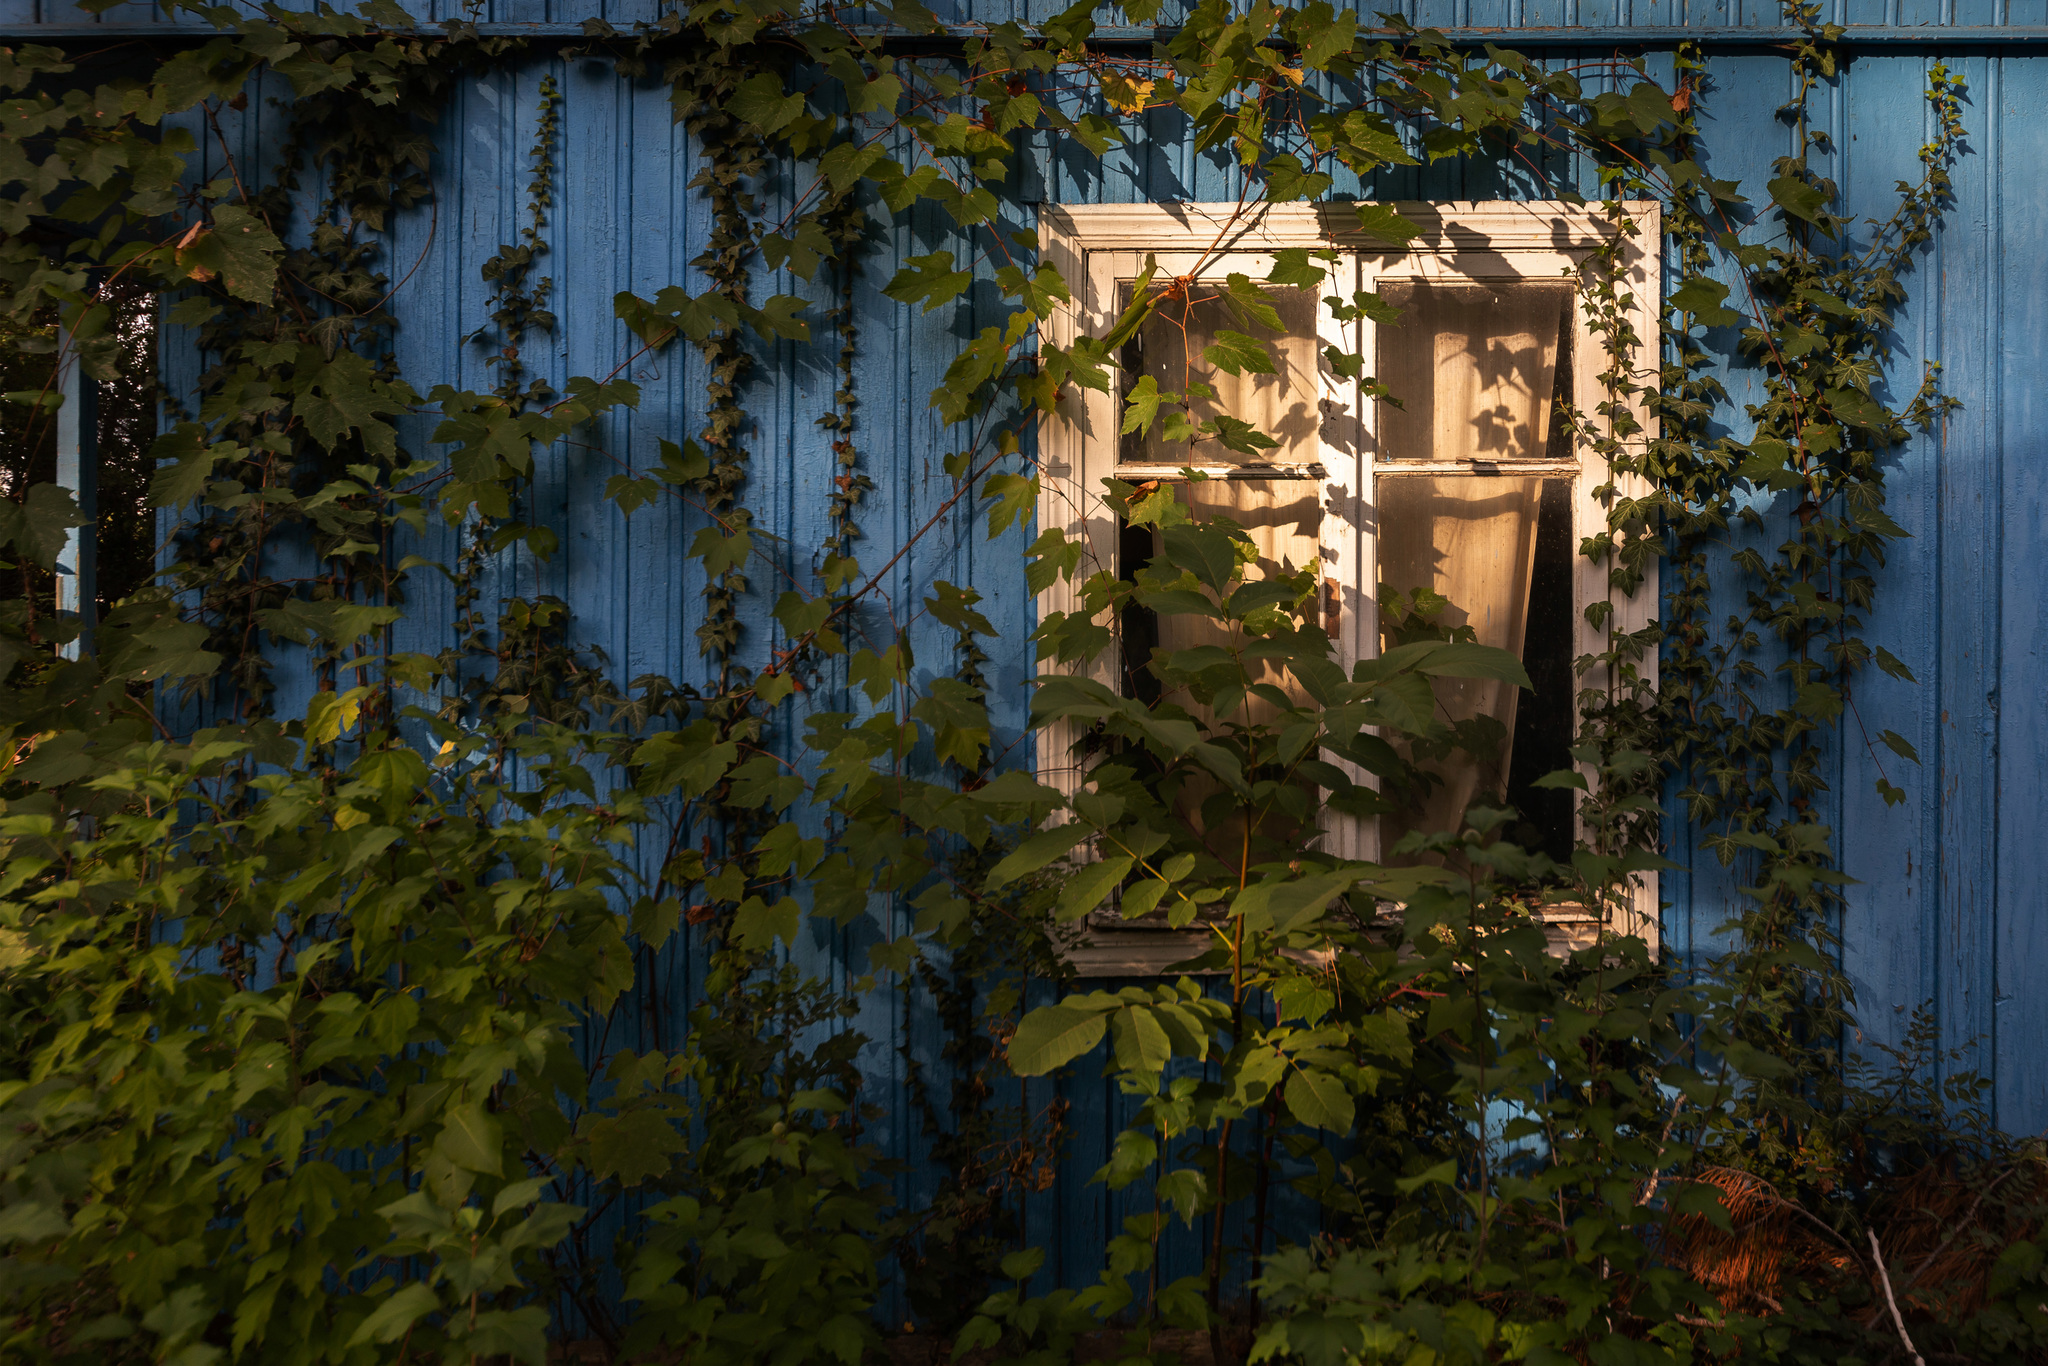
1095 247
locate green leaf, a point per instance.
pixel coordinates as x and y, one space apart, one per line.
1459 659
757 925
472 1139
1893 665
240 248
1385 222
37 526
1023 1264
1053 1036
633 1147
1291 266
1016 499
1798 198
390 1321
1899 745
1139 1041
1235 352
1207 552
1090 886
1035 852
1442 1174
1319 1099
760 100
1706 300
931 279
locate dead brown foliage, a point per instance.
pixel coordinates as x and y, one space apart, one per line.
1941 1230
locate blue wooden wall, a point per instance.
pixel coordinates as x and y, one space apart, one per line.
1946 912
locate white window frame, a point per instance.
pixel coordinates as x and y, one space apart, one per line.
1097 247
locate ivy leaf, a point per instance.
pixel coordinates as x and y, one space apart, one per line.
757 925
191 461
684 464
632 1147
930 278
1053 554
1893 665
1318 1099
1385 222
801 615
1900 745
1291 266
1053 1036
341 395
1799 198
1821 701
37 526
760 100
1345 364
778 318
800 253
1858 409
1016 498
1234 353
239 248
1706 300
1236 434
631 492
721 551
1141 407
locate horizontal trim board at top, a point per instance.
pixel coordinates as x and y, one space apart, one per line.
1600 36
1501 226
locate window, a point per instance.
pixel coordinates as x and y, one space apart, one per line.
1466 492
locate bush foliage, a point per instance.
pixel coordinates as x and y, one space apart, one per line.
313 1021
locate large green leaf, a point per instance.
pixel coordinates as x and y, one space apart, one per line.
1053 1036
1035 852
240 248
36 526
472 1139
1207 552
1318 1098
1090 886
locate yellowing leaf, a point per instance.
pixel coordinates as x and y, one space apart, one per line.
1127 94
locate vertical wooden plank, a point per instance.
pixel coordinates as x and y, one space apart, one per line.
1887 942
1971 533
1741 137
2015 145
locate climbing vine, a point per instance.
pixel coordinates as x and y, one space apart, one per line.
453 994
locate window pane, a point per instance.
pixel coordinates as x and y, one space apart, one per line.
1283 517
1479 368
1486 558
1280 404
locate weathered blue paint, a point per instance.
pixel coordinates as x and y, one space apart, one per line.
1950 912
